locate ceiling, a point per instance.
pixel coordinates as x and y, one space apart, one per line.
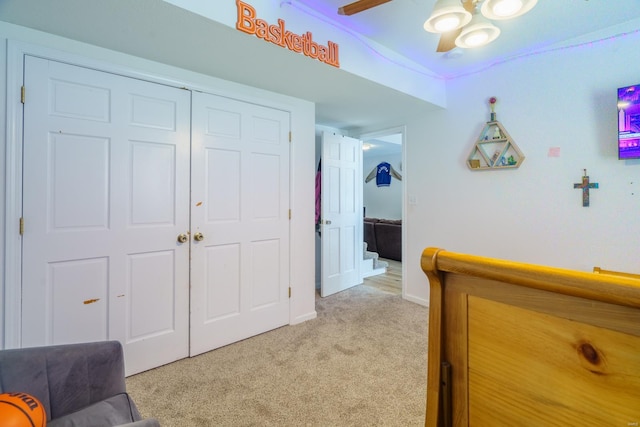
398 26
159 31
382 145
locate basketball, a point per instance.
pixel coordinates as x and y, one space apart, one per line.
21 410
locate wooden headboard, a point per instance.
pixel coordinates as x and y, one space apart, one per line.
519 344
615 273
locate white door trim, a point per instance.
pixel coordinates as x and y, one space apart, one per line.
13 199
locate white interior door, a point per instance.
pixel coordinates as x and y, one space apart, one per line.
105 194
240 205
341 229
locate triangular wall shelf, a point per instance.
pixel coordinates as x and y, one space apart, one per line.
494 149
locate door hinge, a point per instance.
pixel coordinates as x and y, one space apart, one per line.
289 291
289 213
22 94
290 137
21 226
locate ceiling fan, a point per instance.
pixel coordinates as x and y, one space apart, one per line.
457 14
360 6
447 40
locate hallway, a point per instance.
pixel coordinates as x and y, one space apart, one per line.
391 281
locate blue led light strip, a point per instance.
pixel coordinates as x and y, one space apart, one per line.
306 10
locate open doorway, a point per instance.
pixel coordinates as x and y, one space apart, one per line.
383 201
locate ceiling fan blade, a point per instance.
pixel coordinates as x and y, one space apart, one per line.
448 40
359 6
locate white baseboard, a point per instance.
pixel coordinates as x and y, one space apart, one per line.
417 300
300 319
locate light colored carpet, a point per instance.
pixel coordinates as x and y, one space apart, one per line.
362 362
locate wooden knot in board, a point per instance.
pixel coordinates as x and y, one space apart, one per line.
589 353
591 358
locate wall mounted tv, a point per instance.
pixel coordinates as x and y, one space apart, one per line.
629 122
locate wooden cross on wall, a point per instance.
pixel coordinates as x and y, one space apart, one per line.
585 185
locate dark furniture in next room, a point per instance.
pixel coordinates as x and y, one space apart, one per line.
384 236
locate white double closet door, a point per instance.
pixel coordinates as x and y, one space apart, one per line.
115 171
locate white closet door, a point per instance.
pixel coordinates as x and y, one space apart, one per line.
106 193
240 205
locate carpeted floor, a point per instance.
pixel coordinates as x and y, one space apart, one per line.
362 362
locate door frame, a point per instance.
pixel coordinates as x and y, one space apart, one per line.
302 283
403 131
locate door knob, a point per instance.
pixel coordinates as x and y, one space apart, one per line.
198 237
183 238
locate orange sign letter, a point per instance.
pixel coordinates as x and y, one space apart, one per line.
246 18
278 35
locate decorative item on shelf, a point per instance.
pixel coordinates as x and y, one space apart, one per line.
495 157
494 138
492 105
585 185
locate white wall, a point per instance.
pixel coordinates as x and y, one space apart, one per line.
565 98
382 202
302 151
358 55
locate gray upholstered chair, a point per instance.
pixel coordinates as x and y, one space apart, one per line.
78 384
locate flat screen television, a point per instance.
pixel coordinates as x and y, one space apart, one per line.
629 122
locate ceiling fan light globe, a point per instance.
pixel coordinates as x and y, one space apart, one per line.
478 32
445 11
506 9
446 23
476 38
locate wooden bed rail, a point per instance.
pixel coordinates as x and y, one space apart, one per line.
615 273
511 342
616 289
